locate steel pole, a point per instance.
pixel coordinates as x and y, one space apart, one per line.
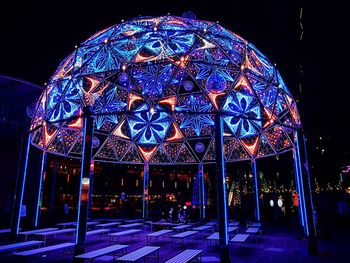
85 186
221 189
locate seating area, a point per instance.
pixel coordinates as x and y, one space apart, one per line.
120 245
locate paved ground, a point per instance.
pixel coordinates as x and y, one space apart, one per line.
277 244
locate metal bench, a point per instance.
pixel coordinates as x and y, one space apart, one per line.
137 220
140 253
202 228
106 225
104 251
234 224
239 239
254 225
36 231
213 238
187 256
252 230
15 246
131 232
131 225
55 233
5 231
42 250
99 232
181 227
183 235
157 234
230 229
66 224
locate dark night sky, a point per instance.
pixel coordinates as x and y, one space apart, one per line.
36 36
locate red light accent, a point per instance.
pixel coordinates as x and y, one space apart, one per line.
77 124
170 100
182 62
243 83
92 167
47 137
133 97
93 84
118 131
213 97
252 148
147 154
188 203
177 135
270 116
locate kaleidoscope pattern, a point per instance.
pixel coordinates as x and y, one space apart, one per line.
154 84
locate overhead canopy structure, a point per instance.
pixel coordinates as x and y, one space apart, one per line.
154 85
168 90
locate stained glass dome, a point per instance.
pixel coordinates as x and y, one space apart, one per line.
154 85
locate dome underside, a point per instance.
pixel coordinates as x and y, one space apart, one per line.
154 85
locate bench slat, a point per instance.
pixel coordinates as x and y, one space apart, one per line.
138 254
31 232
101 252
185 256
96 232
126 232
240 238
19 245
159 233
43 249
185 234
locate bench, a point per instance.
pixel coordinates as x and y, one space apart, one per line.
239 238
42 250
252 230
14 246
157 234
99 232
36 231
234 224
64 225
5 231
131 232
140 253
213 223
55 233
183 235
202 228
138 220
187 256
108 224
131 225
181 227
258 225
232 228
104 251
213 238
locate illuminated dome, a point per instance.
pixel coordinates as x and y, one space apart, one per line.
154 85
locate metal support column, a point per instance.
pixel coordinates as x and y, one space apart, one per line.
40 189
201 192
221 189
256 190
20 183
300 145
301 203
83 204
145 191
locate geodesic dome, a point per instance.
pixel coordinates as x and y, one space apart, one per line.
154 84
